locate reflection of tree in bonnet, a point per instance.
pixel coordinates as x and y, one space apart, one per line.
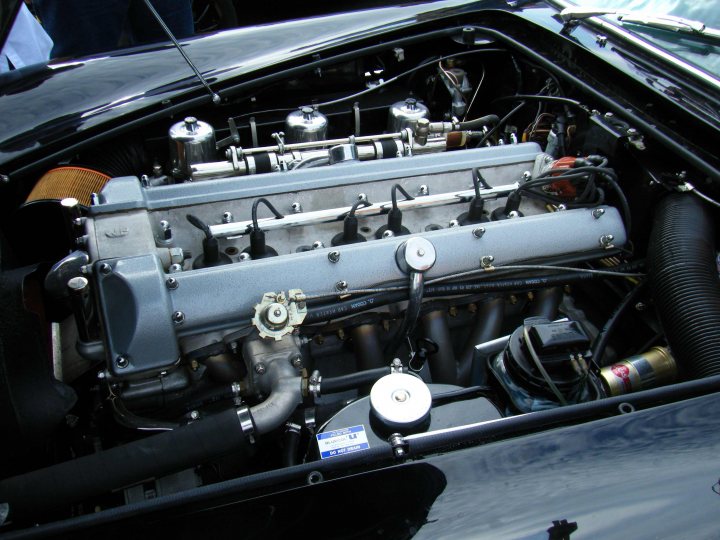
716 487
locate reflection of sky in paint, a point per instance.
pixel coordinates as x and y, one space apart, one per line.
702 54
706 11
610 489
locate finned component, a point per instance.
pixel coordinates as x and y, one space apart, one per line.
655 367
191 141
400 401
306 125
277 315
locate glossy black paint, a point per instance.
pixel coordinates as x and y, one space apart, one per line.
648 474
43 105
47 112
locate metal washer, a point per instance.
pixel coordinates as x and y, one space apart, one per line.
400 400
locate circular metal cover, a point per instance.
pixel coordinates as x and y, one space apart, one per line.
416 254
276 315
400 400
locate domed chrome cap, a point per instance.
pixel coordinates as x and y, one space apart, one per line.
404 114
191 141
400 401
306 125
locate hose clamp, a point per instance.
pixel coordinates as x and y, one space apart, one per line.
314 383
246 423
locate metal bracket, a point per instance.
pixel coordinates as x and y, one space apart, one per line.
399 445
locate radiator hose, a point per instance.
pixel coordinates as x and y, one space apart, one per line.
684 280
30 495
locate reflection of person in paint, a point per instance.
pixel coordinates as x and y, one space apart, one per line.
83 27
26 44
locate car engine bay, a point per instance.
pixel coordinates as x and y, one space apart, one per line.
392 245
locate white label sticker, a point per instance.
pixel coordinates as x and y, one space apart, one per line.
342 441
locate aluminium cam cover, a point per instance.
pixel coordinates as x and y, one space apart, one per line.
223 297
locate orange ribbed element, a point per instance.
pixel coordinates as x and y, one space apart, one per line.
65 182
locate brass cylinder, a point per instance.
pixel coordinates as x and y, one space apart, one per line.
652 368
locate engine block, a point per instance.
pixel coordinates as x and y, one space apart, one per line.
155 306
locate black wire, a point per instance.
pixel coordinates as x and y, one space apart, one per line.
623 203
197 222
539 97
404 73
393 195
602 339
499 124
355 206
578 173
267 203
377 87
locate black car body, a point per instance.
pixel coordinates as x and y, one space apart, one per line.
558 354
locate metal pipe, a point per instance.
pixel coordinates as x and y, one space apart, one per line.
488 324
368 350
81 305
443 365
328 142
331 215
417 286
241 161
546 303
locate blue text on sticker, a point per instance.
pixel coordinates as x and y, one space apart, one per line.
342 441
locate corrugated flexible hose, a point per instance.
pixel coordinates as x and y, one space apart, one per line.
685 284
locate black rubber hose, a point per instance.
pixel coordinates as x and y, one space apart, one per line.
351 381
479 123
499 124
29 495
684 280
290 447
